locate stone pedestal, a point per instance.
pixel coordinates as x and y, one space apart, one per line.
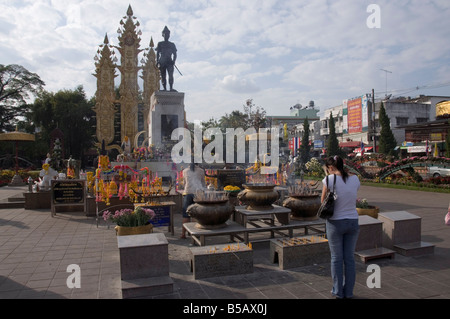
38 200
221 260
166 114
370 233
402 233
300 251
369 244
144 264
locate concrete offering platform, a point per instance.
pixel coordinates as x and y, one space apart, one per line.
299 251
246 216
144 264
402 233
221 260
199 235
369 244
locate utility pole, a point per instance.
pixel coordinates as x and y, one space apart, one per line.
386 71
374 129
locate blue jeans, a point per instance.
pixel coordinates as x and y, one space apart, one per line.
188 200
342 236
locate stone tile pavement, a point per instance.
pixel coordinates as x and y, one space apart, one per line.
36 250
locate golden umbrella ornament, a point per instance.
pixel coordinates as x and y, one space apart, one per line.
17 137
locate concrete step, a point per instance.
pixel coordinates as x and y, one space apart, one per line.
414 249
146 287
6 205
16 198
16 201
374 253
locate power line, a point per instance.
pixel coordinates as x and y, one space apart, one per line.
399 92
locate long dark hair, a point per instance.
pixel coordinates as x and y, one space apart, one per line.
337 162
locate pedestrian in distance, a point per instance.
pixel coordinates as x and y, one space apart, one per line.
194 180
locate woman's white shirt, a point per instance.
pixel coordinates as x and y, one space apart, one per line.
345 203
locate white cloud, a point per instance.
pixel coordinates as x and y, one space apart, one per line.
277 52
236 84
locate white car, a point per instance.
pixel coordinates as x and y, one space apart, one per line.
437 171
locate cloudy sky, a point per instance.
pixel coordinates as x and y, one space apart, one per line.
278 53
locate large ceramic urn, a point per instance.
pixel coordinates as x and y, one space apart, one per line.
303 206
211 214
258 196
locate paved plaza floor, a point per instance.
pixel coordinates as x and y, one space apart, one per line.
37 249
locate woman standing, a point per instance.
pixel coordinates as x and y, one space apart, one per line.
342 227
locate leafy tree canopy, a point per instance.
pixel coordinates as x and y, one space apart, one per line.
17 84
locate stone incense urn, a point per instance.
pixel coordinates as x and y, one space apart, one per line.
303 206
211 214
258 196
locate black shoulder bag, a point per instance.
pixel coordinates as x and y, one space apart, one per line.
326 209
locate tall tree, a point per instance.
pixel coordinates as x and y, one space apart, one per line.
235 119
387 142
256 115
333 143
17 84
305 148
71 112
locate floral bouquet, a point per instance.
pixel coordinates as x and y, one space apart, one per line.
130 218
362 203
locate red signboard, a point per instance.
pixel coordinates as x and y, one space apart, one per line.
354 115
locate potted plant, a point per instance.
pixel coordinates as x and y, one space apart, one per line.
131 221
363 208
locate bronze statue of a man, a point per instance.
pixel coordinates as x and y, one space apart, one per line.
166 55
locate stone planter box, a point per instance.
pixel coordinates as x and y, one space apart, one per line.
372 212
214 261
299 251
144 265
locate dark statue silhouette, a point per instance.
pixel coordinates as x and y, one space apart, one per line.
166 55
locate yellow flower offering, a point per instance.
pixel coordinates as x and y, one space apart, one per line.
231 188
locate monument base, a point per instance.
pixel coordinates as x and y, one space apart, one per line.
166 114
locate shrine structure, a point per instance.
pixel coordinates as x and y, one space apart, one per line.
132 105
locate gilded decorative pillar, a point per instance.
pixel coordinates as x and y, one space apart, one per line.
151 77
129 43
105 96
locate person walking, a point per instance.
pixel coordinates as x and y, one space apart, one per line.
194 180
342 228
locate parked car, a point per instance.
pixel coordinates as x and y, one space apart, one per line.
437 171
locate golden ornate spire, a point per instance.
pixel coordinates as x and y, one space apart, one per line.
106 63
129 11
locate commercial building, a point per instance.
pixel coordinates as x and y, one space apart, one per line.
357 121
